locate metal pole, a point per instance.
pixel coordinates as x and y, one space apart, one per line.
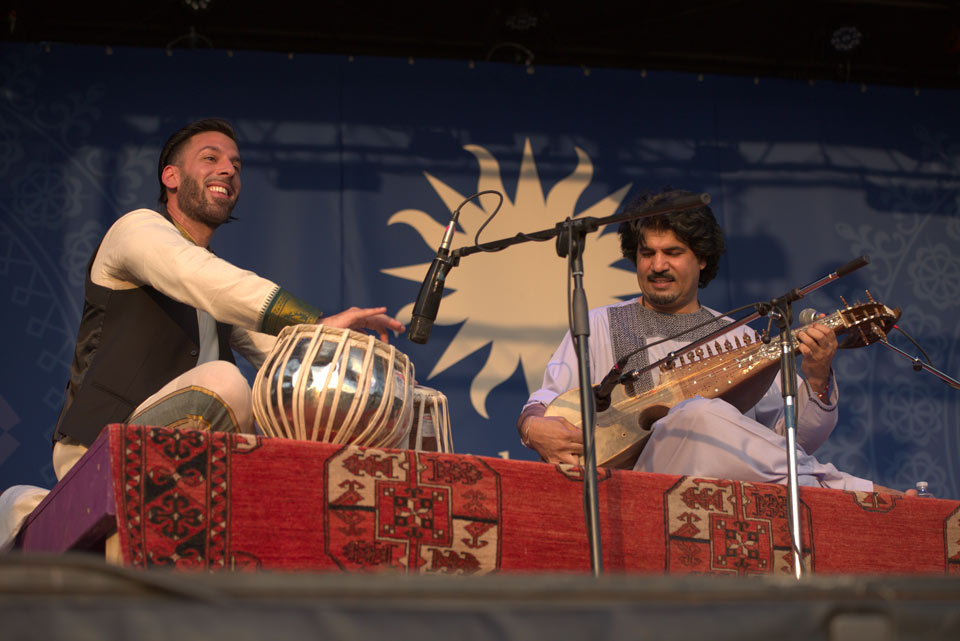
580 332
788 384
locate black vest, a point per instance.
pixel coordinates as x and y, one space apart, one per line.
130 344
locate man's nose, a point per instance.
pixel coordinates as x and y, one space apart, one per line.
659 262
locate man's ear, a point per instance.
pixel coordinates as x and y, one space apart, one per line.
171 177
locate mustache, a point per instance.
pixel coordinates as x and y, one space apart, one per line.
661 276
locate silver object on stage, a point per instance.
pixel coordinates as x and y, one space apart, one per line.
337 386
431 421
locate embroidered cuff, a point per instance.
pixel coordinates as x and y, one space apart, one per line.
826 398
286 309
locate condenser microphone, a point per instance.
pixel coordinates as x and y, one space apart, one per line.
603 390
807 316
431 291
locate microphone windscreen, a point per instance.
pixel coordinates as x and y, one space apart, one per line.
807 316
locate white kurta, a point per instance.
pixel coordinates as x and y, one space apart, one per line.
710 437
144 248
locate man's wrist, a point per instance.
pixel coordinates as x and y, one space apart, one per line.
524 425
525 432
820 388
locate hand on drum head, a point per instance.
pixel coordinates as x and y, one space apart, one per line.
374 319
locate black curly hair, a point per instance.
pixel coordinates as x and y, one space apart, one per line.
697 228
170 154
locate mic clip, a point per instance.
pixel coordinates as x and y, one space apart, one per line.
602 391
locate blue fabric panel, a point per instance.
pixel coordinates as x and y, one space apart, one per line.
340 154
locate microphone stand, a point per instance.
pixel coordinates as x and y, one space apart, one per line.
570 244
780 309
572 234
782 315
919 365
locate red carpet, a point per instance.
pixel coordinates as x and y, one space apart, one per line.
201 500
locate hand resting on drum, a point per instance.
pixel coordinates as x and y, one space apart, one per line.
555 439
374 319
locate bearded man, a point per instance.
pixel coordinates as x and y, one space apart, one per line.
675 255
162 313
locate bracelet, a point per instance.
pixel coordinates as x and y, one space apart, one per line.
524 433
825 394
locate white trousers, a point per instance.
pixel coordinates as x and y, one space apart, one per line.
710 438
211 396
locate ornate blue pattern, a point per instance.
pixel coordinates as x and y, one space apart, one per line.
804 178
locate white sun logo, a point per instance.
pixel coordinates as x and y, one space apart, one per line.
516 298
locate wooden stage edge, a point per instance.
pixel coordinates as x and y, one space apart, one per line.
73 596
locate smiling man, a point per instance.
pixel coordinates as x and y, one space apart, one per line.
674 256
162 313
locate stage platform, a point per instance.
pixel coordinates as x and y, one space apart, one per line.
77 597
197 500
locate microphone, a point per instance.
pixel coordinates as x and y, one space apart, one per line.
807 316
602 391
431 291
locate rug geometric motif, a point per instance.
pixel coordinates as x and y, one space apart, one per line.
879 502
730 528
412 512
576 472
176 506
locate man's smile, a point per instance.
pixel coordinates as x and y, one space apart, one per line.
219 190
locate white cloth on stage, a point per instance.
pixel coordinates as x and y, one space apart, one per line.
16 504
710 437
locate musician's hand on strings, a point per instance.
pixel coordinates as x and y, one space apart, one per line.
555 439
374 319
818 344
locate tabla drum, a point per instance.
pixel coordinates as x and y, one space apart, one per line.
335 385
431 421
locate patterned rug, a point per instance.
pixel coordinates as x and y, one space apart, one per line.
198 500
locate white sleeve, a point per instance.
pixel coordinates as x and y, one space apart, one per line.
253 346
562 372
144 248
816 420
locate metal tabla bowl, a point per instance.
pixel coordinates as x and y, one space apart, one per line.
431 428
335 385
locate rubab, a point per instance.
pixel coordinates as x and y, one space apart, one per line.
739 372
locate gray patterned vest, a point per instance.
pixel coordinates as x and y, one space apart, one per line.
632 325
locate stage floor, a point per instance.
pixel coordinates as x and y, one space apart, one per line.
77 596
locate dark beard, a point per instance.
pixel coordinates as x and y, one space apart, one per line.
195 205
662 300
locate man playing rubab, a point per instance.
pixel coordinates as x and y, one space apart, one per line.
675 255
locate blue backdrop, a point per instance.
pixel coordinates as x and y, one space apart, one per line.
352 166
